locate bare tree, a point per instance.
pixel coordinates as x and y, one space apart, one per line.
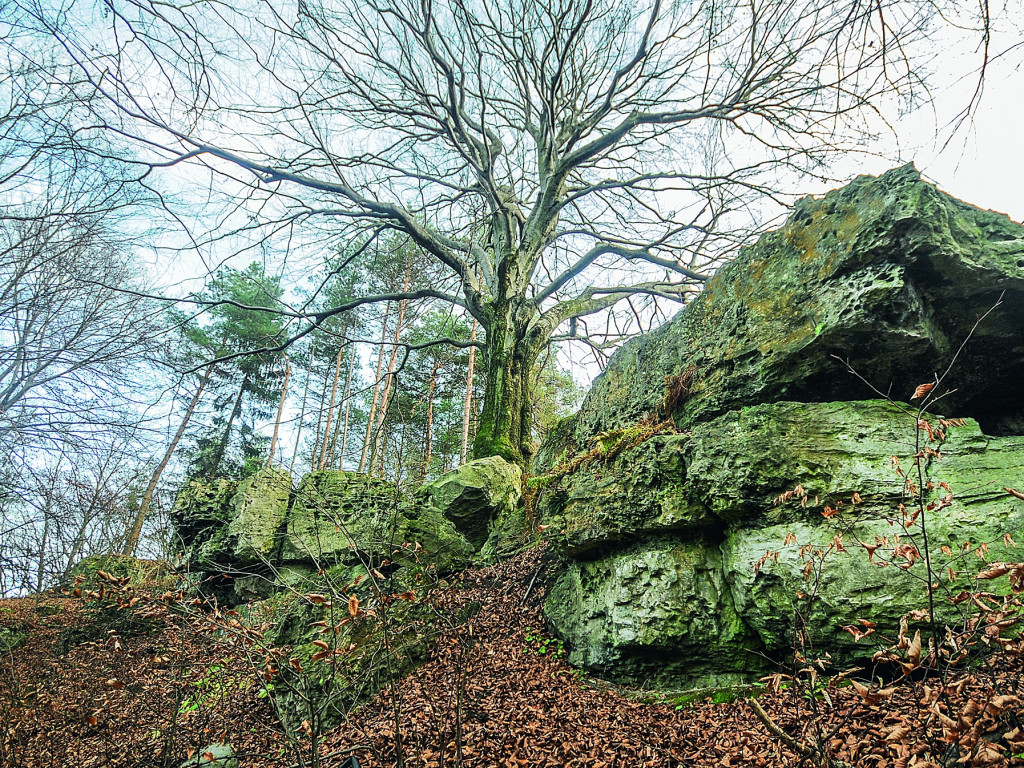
556 156
68 333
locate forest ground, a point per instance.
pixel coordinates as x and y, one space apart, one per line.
147 687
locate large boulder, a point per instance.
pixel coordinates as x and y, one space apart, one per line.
257 512
698 583
717 458
344 517
481 498
888 273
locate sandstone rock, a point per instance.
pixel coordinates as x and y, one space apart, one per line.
656 612
201 515
346 517
266 535
693 599
258 510
476 495
888 273
752 400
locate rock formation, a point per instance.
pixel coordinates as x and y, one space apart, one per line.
266 535
682 563
304 551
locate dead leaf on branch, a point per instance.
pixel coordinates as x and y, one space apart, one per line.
921 391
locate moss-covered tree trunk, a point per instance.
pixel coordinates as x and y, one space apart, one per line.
505 421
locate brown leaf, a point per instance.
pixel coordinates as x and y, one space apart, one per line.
914 650
921 391
994 571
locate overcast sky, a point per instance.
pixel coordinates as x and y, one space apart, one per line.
983 162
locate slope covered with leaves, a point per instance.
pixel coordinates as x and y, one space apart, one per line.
150 684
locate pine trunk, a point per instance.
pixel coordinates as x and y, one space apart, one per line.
280 410
376 390
385 402
322 460
302 417
348 408
223 447
428 454
319 424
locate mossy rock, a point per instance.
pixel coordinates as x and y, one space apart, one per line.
201 513
643 490
259 508
739 571
658 612
887 274
346 518
476 495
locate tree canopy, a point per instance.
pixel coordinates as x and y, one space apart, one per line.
557 158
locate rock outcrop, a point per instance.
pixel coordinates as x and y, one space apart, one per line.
481 498
266 535
682 563
304 552
887 273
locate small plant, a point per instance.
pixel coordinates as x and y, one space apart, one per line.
543 645
677 389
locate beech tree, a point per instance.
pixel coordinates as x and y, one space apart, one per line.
557 157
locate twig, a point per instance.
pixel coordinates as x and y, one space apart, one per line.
529 588
797 746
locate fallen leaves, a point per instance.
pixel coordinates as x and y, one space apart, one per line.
513 707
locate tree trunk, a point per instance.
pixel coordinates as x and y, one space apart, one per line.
505 427
376 389
302 414
378 450
223 447
147 498
41 565
321 461
319 423
430 423
348 408
468 407
280 410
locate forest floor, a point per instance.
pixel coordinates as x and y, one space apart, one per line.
151 686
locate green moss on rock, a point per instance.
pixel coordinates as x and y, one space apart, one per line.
888 273
735 574
340 517
476 495
259 508
656 612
